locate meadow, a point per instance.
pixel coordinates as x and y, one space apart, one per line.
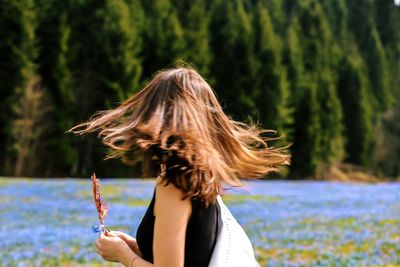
307 223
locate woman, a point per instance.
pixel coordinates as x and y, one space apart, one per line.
177 128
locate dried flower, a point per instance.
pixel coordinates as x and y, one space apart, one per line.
101 206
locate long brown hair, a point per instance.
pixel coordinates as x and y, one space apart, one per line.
177 123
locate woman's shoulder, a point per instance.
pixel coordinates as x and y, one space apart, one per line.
171 199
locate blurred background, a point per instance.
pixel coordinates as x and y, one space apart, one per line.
324 74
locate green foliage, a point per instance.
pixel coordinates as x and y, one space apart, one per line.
63 73
163 36
321 73
331 131
372 50
271 88
234 65
387 21
353 91
122 45
22 44
306 138
30 127
387 152
316 56
195 20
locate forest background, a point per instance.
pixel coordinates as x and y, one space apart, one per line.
324 74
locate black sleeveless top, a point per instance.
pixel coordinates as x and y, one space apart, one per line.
200 239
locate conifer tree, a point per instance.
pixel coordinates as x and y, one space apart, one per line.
302 90
387 23
8 69
271 89
353 90
163 36
64 84
234 64
195 20
24 52
121 47
292 58
305 151
387 152
362 22
331 132
277 14
86 61
337 15
30 127
318 55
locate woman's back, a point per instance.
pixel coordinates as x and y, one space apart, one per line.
201 233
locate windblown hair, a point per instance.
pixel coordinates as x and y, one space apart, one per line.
177 124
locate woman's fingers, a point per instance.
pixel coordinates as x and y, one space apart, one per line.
98 248
117 233
98 244
104 235
109 246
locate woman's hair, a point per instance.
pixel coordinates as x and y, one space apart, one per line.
177 123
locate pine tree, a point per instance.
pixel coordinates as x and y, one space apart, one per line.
234 64
64 84
337 15
318 55
23 45
331 132
387 20
276 13
80 42
29 127
293 59
305 126
195 20
163 36
305 150
8 71
387 152
271 89
353 90
122 44
362 22
387 23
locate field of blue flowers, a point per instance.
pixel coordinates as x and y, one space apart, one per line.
48 222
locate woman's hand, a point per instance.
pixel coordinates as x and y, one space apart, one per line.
112 248
129 240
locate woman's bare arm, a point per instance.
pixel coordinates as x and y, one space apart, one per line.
172 216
